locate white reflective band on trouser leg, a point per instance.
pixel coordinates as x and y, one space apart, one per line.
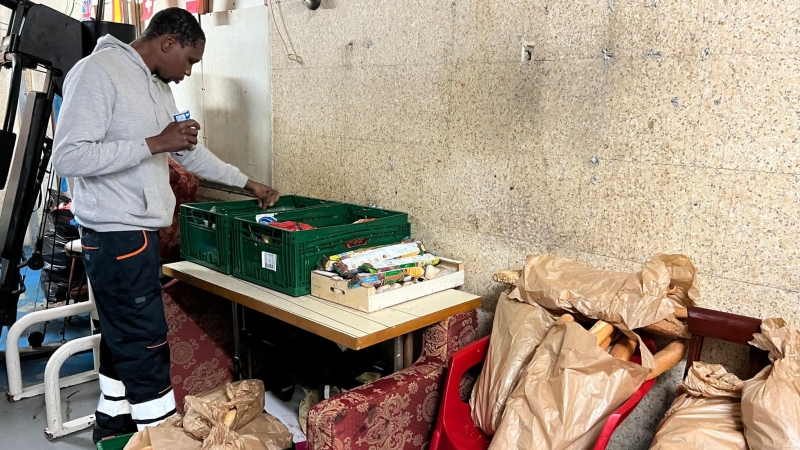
149 414
113 408
111 387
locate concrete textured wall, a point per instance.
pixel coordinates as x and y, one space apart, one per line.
637 127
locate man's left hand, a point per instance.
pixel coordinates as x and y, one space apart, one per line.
265 194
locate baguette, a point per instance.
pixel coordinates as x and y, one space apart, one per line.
681 313
668 329
606 343
229 418
624 348
672 289
668 357
509 277
602 330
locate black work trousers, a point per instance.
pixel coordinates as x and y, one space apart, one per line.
123 269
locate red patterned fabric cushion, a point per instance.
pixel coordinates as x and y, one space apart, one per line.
200 340
397 412
184 186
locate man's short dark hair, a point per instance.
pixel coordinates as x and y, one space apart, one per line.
175 22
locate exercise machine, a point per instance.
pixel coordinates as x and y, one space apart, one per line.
38 38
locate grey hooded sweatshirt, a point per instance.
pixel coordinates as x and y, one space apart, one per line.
112 103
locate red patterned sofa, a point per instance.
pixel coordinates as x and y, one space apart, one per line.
397 412
200 332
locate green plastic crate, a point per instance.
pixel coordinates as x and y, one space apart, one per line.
206 234
115 443
118 443
283 260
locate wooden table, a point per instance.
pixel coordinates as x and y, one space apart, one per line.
349 327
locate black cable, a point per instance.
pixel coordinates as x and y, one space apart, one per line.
55 236
40 199
40 235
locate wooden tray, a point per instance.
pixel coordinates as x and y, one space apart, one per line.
333 288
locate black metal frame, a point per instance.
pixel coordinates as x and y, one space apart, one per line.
38 37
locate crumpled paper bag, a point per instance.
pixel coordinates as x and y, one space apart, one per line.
517 331
204 426
168 434
771 400
264 432
205 411
566 393
626 300
707 413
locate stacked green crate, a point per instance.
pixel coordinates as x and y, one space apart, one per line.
205 228
115 443
283 260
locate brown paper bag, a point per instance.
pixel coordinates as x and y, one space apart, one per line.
627 300
207 409
565 394
267 430
167 435
707 413
771 400
204 427
517 331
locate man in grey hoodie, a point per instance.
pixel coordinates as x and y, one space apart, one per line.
114 133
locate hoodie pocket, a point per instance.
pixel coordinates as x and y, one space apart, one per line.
155 204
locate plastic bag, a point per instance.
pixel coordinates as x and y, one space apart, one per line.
58 232
227 418
517 331
566 393
707 413
771 400
626 300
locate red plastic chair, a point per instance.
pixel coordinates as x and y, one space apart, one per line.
454 427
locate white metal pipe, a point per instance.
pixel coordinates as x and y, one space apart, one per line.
70 427
52 385
72 380
13 366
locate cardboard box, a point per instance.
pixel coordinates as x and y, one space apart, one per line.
331 287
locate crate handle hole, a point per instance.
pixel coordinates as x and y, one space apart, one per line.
357 242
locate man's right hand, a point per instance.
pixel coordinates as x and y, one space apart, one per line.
176 137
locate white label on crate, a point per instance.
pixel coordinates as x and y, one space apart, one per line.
269 261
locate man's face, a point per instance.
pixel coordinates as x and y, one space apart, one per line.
177 60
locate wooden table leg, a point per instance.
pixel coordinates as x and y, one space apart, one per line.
408 351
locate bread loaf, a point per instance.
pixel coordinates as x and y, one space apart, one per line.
602 330
668 357
668 329
606 343
624 348
230 417
509 277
